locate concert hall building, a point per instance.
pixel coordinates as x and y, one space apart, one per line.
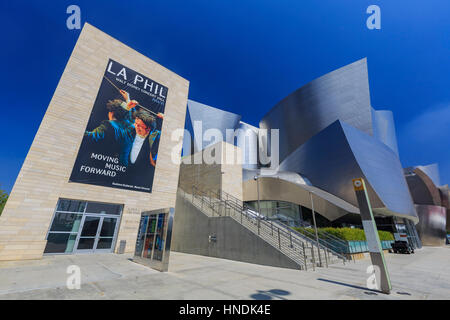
110 169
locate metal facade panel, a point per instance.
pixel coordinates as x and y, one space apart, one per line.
328 162
278 189
422 188
340 153
432 225
209 118
339 95
384 128
432 171
383 170
247 140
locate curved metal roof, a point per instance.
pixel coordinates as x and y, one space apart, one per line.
279 188
340 153
342 94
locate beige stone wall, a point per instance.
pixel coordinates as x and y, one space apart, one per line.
232 170
44 175
224 174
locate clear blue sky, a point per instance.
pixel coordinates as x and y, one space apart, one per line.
242 56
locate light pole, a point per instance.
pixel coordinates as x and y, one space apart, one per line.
257 190
315 227
259 207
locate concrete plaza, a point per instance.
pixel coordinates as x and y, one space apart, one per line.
423 275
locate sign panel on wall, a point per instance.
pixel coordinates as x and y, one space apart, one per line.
120 145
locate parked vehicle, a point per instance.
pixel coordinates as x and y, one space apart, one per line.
401 247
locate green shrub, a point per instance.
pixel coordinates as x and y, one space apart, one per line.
385 235
3 199
348 234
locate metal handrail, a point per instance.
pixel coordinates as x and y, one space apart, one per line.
284 232
311 237
329 235
335 250
324 234
230 204
332 237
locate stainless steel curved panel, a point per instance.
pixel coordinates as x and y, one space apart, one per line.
247 140
445 201
273 188
422 188
383 170
340 153
339 95
209 118
444 192
432 225
294 177
384 128
432 171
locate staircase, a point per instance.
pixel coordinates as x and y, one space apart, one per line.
297 246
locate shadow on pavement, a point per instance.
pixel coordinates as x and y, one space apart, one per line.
270 294
369 291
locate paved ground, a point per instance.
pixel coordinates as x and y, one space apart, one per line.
424 275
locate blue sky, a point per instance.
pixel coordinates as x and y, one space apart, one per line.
242 56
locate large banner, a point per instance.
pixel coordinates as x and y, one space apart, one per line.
120 144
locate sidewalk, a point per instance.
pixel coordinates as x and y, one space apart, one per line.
423 275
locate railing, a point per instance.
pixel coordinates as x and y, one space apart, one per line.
232 208
337 246
299 248
362 246
343 246
330 243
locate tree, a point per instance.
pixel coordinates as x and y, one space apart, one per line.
3 199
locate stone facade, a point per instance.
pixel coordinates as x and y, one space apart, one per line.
224 174
44 176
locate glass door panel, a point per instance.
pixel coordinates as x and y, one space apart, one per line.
105 239
88 233
141 236
159 242
90 227
149 237
86 244
152 249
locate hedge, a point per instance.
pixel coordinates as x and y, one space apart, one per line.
348 234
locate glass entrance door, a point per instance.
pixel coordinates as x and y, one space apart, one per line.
88 235
105 238
97 234
80 226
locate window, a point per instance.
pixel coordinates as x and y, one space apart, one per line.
82 225
103 208
66 222
60 242
286 212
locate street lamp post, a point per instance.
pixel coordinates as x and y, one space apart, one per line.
259 207
315 227
257 190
